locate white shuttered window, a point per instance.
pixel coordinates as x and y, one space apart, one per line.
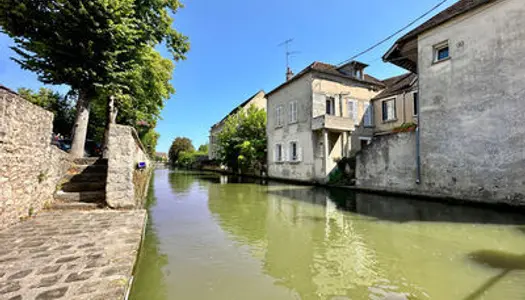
292 112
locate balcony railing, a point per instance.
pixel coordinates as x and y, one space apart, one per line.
333 123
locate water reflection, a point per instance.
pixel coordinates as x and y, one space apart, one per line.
236 238
151 261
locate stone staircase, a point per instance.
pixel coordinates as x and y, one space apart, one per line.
84 185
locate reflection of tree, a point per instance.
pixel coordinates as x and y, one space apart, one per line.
149 281
240 209
180 183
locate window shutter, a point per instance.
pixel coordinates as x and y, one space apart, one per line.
290 112
319 104
284 153
299 153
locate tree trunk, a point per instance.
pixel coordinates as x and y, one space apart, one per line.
111 118
80 127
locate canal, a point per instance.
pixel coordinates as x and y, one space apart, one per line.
216 237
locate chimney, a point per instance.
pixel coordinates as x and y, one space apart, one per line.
289 74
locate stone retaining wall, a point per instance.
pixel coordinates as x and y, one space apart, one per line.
30 167
126 185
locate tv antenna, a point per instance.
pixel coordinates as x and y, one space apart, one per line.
288 54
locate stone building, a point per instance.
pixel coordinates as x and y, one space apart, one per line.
312 119
470 61
259 100
396 104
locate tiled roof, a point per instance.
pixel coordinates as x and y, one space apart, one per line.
332 70
457 9
397 85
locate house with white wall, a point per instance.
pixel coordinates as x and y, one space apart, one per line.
313 116
470 62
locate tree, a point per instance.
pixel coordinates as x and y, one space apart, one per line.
180 144
61 106
242 141
203 148
94 46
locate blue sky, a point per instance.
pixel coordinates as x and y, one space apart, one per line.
234 51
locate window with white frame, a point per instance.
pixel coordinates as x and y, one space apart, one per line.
389 110
352 110
292 112
441 52
279 116
330 106
369 117
294 152
278 155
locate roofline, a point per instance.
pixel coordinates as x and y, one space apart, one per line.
8 90
237 108
411 89
309 69
414 33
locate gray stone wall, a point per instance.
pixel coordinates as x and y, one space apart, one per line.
388 163
472 130
126 185
30 167
471 114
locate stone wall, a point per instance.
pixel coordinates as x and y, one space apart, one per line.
30 167
126 185
388 163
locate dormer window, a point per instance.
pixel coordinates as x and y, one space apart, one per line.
441 52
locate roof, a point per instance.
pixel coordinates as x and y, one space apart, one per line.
331 70
7 89
397 85
236 109
455 10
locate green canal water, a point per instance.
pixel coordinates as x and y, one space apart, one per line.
214 237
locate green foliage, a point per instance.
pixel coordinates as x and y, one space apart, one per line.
189 159
180 144
61 106
242 141
203 148
406 127
100 48
149 140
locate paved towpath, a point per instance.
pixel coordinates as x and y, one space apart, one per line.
73 255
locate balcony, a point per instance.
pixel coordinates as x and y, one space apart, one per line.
333 123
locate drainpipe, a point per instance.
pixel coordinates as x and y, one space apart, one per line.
404 107
418 132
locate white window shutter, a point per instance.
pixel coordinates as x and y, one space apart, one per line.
290 112
299 153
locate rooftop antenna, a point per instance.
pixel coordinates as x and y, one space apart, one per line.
288 54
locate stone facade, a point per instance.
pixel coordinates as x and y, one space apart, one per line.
314 131
30 166
259 100
388 163
126 184
471 110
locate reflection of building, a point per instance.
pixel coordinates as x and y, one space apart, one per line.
259 100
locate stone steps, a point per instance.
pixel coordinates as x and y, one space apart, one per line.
76 205
87 169
91 161
84 196
86 177
84 186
